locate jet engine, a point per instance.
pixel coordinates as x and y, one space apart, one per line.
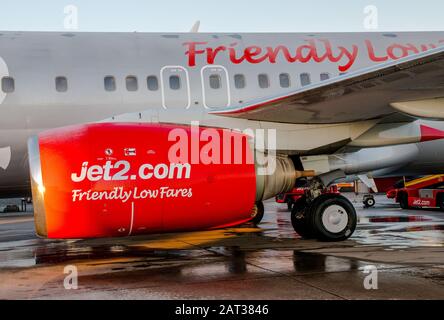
124 179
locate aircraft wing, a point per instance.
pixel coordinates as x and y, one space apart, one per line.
411 86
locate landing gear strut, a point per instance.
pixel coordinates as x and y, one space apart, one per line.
323 216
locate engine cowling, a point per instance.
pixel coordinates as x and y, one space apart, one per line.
116 180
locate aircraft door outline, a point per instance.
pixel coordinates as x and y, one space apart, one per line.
175 98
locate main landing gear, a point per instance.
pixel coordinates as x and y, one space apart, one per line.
324 216
258 213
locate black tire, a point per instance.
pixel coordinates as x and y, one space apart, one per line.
369 202
301 220
440 201
324 232
404 201
259 214
290 204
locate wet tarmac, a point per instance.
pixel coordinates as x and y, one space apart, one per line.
267 262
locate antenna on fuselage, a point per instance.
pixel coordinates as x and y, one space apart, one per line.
195 28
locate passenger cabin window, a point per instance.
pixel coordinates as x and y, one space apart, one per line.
305 79
61 84
325 76
110 83
175 83
284 80
264 82
153 83
239 81
8 85
215 82
131 83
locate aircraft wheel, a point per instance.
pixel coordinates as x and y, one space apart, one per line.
260 211
301 220
440 201
369 202
404 201
290 204
333 218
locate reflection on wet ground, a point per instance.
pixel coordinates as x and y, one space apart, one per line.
395 228
270 262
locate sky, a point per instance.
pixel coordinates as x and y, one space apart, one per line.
222 15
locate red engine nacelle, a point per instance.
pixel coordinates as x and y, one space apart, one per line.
110 180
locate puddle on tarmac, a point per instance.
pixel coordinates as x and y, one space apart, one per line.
401 232
390 229
399 219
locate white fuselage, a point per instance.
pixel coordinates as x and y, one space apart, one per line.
57 79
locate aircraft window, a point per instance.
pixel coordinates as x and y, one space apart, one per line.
175 83
215 81
153 83
239 81
305 79
8 85
284 79
61 84
264 82
110 83
131 83
325 76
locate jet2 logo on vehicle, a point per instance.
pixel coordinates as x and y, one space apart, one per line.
421 203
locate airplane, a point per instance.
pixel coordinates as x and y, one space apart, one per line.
81 112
